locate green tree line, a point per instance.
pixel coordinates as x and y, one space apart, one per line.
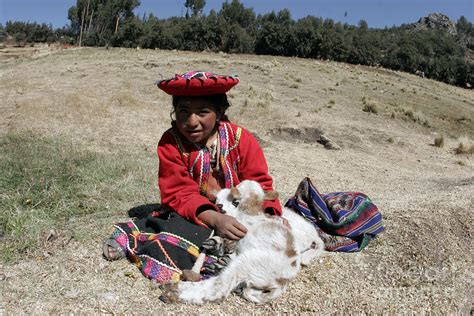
436 54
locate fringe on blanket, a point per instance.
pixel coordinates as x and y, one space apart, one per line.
346 221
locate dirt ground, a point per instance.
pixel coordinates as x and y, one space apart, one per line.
106 100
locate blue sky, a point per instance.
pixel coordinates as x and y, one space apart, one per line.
377 13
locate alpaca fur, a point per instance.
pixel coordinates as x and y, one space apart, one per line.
265 260
307 241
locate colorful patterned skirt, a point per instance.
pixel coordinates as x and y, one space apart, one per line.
161 244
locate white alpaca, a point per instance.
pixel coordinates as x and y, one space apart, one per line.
265 260
307 241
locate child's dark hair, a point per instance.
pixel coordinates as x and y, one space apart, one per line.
219 101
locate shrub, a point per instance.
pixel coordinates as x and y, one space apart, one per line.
414 116
465 147
294 86
439 141
370 106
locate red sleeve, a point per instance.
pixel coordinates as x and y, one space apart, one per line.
177 188
253 166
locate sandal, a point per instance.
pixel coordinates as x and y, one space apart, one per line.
112 250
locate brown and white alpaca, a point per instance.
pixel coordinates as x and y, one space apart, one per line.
265 260
307 241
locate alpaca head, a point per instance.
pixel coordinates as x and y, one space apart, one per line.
248 192
225 203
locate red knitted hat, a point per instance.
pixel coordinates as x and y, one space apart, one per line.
197 83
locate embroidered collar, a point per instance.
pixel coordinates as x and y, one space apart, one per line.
201 166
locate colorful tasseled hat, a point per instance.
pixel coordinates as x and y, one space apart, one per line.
197 83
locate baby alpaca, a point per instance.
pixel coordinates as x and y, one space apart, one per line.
265 260
307 241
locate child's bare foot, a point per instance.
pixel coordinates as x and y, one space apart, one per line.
112 250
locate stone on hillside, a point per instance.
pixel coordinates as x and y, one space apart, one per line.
436 21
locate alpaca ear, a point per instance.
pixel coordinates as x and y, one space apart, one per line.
271 195
234 193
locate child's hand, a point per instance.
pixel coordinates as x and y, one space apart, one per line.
228 226
224 225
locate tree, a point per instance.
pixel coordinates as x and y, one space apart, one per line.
25 32
216 30
196 7
100 18
237 40
153 34
465 30
123 10
3 33
365 46
129 34
191 34
363 25
273 35
334 44
304 39
463 26
235 12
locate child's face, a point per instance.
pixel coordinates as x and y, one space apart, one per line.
195 119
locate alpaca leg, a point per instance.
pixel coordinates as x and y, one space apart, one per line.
209 290
262 296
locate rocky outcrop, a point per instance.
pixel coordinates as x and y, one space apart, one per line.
436 21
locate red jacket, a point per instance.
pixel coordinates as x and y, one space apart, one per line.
182 170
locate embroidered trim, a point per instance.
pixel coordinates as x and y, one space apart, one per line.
180 242
157 270
165 253
237 138
191 171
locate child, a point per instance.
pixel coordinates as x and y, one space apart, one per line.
199 155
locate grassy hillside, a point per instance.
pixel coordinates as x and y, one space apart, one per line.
78 133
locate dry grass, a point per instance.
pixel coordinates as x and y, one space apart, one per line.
96 115
294 86
296 99
415 116
439 141
370 106
465 146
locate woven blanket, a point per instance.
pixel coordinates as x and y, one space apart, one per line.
160 243
346 221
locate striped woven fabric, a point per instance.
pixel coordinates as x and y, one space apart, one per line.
346 221
161 243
